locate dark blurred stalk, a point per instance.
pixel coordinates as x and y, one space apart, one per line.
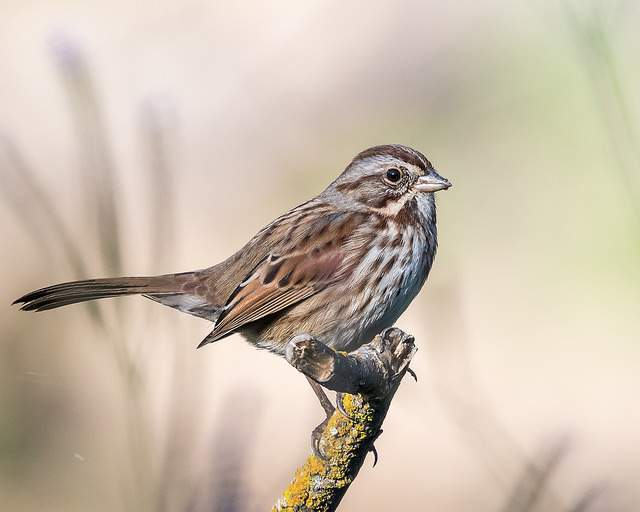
155 131
460 394
172 486
38 214
146 484
95 154
101 200
223 486
531 491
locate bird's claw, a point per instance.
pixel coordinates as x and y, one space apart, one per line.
316 436
329 409
375 455
373 450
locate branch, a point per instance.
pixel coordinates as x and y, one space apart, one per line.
366 381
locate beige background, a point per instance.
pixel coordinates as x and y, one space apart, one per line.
528 329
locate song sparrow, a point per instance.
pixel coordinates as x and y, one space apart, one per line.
342 266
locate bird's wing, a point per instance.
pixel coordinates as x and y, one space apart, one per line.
311 261
275 284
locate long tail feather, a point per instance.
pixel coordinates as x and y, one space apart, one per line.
79 291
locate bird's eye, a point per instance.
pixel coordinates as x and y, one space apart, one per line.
393 175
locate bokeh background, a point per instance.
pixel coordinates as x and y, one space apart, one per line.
153 137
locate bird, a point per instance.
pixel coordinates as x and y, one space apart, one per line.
341 266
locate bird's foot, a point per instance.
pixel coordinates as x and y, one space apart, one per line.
329 409
316 436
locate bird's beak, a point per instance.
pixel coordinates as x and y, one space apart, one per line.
432 182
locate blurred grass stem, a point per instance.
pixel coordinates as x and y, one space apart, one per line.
588 26
93 141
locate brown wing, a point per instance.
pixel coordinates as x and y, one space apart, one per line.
303 252
275 284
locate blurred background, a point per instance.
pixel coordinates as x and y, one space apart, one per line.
153 137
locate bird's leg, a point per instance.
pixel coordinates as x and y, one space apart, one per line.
329 409
322 397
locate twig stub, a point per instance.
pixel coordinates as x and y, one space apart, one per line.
369 370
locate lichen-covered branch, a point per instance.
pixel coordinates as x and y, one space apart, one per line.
366 381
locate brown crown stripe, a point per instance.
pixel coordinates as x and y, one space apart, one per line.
400 152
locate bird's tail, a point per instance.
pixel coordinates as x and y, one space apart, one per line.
64 294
